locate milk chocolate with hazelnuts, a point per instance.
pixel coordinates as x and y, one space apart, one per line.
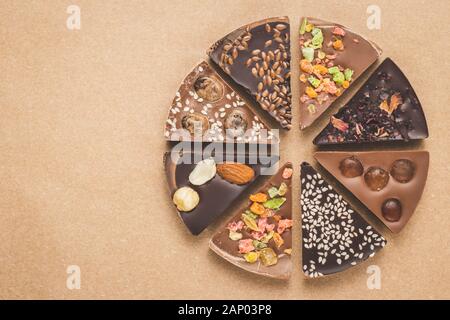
258 238
207 109
385 108
388 183
332 59
257 57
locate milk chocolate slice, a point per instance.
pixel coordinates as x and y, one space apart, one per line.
386 108
389 183
199 205
335 237
257 57
332 59
259 237
206 108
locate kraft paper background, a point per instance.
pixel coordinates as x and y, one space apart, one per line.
81 145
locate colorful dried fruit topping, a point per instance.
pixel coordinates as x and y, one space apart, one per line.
278 239
251 257
259 197
274 203
246 246
376 178
287 173
204 171
268 257
236 173
339 124
186 199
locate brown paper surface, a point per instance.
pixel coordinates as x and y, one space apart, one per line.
81 147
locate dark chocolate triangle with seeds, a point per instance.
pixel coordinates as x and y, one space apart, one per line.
259 237
199 204
257 57
207 109
335 237
390 184
386 108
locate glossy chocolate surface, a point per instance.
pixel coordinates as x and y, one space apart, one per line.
335 237
365 117
257 57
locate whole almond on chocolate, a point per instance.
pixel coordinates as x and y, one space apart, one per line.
236 173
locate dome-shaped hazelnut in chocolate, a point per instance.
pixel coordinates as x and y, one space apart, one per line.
208 88
376 178
392 210
351 167
236 124
195 123
403 170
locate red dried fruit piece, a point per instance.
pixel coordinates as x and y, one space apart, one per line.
287 173
339 31
246 246
283 225
339 124
235 226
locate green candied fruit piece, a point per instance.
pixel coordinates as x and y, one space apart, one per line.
251 257
308 53
314 81
274 203
303 26
311 108
317 39
348 73
235 236
273 192
283 189
259 244
333 70
268 257
267 237
339 77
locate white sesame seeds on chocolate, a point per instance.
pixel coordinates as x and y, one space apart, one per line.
335 237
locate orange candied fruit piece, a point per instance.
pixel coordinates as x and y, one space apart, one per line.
345 84
306 66
311 93
338 45
259 197
320 69
257 208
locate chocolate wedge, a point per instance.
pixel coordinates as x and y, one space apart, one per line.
206 108
386 108
335 237
259 237
389 183
257 57
332 59
202 189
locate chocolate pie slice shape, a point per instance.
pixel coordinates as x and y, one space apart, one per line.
386 108
335 237
202 189
389 183
257 57
207 109
332 59
259 237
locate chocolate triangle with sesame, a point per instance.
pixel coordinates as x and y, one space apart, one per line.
207 109
257 57
202 188
390 184
259 237
335 237
332 59
385 108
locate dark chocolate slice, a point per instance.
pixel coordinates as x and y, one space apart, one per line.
386 108
335 236
332 59
389 183
259 237
199 205
257 57
206 108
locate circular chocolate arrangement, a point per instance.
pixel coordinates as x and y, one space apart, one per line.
403 170
376 178
208 89
351 167
236 123
195 123
392 210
